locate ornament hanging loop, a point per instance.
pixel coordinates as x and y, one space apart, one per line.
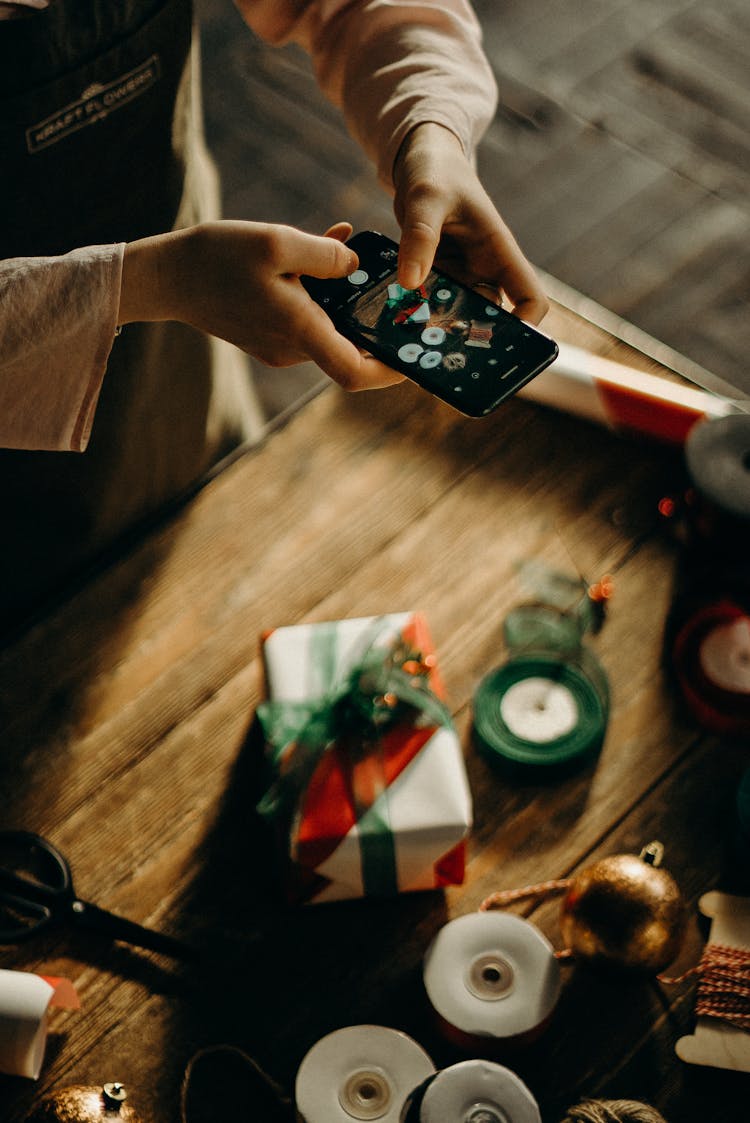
114 1094
652 854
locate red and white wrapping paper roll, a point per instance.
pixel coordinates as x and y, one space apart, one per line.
25 1002
623 398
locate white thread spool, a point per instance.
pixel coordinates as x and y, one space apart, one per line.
491 976
476 1091
364 1072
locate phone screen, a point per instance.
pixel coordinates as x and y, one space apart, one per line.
446 337
440 326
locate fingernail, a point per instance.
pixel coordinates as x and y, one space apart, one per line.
411 273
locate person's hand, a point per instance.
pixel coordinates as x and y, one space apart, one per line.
240 281
446 215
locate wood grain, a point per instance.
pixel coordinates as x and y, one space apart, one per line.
126 720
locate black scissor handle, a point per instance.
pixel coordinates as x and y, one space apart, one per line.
34 884
35 917
89 916
23 849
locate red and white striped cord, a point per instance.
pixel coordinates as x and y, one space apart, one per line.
723 984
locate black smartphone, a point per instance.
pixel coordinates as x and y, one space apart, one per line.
444 336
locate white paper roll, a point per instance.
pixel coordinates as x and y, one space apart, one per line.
491 975
364 1072
477 1091
25 1000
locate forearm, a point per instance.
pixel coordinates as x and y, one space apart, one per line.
390 65
412 75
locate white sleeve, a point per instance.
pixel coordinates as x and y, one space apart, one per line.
58 317
390 65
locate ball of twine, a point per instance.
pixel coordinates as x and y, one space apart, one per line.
612 1111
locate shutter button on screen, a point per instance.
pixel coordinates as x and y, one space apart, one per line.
358 277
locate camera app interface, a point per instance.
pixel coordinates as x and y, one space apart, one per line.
441 330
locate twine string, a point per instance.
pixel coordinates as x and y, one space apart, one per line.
257 1075
723 971
540 891
723 984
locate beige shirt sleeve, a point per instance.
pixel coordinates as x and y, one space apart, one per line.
390 65
58 317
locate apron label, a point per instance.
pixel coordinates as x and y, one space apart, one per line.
95 103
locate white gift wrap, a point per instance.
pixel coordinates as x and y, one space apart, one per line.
429 802
25 1001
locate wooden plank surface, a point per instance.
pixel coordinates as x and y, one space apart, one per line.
125 720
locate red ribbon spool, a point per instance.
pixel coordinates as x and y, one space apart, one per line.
718 708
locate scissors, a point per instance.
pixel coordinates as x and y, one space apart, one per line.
36 893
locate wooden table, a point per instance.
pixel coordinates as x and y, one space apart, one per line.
125 717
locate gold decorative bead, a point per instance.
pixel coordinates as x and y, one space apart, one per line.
624 912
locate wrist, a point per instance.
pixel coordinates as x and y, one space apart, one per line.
424 139
153 272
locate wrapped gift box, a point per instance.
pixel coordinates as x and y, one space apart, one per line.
367 786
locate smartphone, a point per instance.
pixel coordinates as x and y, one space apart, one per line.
444 336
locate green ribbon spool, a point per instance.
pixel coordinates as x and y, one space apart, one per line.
543 709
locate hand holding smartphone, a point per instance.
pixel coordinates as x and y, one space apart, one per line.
444 336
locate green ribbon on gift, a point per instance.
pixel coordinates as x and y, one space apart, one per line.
386 683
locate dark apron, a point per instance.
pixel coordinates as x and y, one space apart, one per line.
101 142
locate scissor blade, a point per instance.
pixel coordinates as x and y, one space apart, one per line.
118 928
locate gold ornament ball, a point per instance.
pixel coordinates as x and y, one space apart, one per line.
81 1103
624 912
